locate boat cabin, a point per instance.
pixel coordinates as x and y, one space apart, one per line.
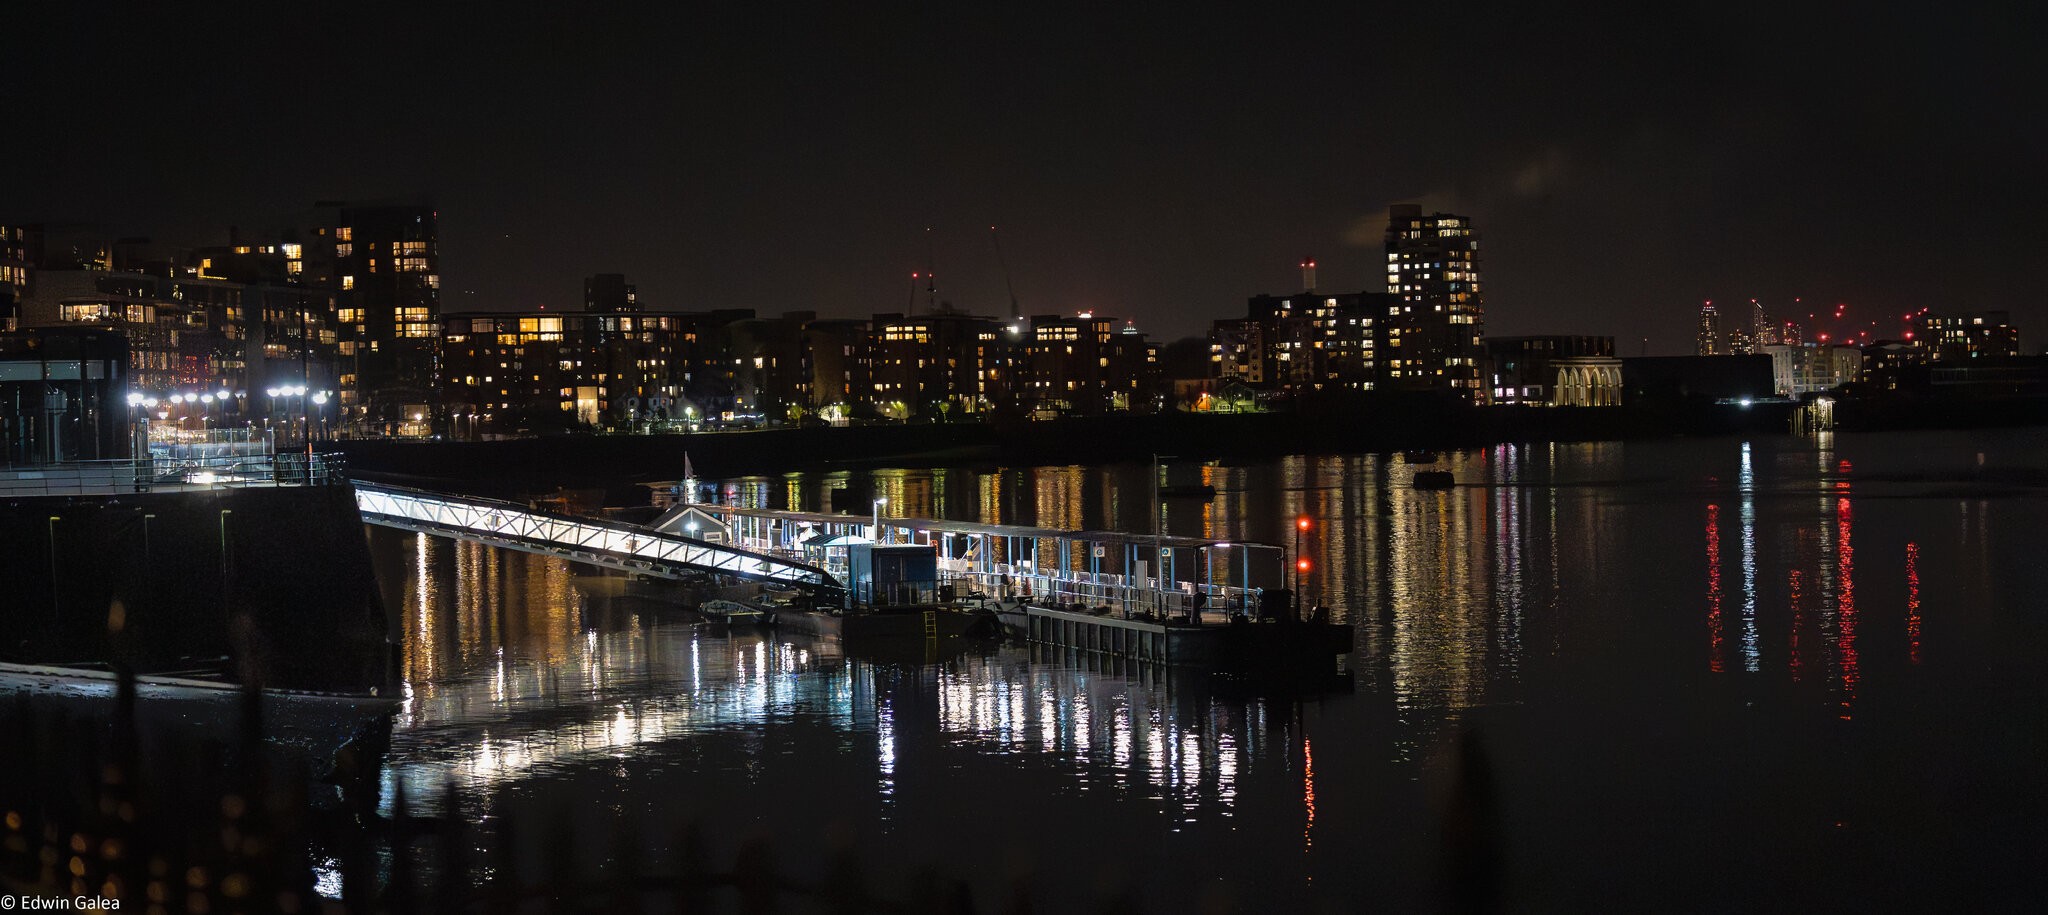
892 574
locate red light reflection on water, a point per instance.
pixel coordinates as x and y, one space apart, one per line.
1845 600
1308 794
1913 602
1714 633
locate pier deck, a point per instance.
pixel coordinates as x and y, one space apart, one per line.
1046 567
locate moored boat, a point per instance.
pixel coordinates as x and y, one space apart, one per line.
736 613
1434 479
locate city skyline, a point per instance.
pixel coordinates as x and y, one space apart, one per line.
1156 170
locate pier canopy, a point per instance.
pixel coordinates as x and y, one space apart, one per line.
1137 571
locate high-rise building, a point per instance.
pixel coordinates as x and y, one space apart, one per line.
1762 331
14 276
386 259
1708 340
1305 342
930 364
1437 316
609 293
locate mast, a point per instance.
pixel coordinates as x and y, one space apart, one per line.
931 276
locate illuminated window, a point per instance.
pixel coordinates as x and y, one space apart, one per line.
97 311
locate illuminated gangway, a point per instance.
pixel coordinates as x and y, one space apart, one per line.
613 545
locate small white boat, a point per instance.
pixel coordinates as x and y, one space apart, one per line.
734 613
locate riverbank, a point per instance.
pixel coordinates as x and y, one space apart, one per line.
539 465
573 461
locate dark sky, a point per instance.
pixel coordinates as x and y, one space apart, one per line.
1156 165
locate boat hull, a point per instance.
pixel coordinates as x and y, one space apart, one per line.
1243 645
909 623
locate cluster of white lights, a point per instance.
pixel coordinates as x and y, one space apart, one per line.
224 395
295 390
138 399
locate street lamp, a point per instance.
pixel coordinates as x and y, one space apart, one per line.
878 518
319 400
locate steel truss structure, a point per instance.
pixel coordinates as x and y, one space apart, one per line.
602 543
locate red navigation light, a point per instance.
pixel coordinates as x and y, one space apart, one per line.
1301 522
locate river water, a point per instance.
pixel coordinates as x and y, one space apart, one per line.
1714 673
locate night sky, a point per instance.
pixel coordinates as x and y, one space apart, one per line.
1155 166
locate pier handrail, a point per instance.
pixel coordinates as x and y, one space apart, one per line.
167 474
607 543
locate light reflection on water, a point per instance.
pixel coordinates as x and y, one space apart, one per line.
1593 587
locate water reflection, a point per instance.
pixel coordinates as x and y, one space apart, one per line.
1554 578
549 680
1746 485
1715 635
1454 590
1913 602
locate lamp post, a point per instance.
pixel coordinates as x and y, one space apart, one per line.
320 401
134 406
273 393
878 518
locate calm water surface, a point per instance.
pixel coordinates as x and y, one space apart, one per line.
1784 673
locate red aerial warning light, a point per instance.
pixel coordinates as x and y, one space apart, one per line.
1301 565
1301 522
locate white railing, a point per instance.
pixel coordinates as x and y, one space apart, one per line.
1127 594
617 545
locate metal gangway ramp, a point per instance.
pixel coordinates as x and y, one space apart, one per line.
610 544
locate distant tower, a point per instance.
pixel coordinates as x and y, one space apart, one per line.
1710 330
609 293
1761 331
1308 274
1433 278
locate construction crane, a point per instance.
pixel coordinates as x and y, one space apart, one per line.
1016 314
